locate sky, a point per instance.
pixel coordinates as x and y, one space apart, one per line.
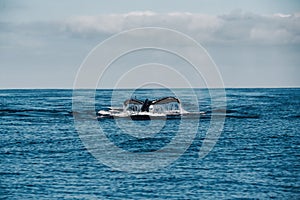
254 43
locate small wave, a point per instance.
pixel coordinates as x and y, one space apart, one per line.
144 145
295 116
220 111
243 116
29 112
238 112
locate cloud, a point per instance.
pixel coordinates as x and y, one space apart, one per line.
236 26
40 46
201 25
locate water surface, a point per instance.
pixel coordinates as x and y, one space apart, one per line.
257 155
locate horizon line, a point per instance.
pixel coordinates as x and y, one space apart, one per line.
125 88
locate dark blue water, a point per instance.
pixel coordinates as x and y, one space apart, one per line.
257 155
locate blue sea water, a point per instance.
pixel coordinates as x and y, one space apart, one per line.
257 155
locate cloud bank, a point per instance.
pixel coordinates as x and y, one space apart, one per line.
236 26
250 49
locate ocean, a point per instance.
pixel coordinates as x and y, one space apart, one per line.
44 155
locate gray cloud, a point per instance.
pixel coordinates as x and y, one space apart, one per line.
250 49
236 26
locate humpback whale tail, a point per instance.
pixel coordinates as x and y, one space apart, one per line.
146 105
